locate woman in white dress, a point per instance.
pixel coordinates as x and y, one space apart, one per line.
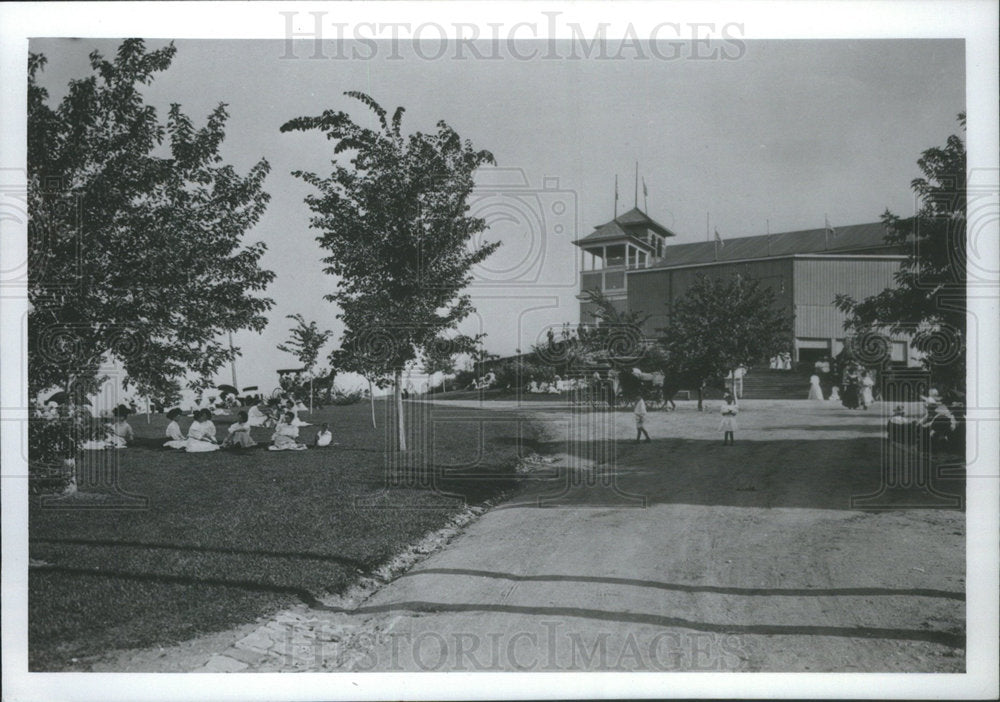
286 435
201 434
324 437
296 422
239 433
176 438
815 391
258 418
728 425
120 432
867 395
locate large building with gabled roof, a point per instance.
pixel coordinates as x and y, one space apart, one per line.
632 261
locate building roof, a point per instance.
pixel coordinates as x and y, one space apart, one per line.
856 238
636 216
609 233
618 227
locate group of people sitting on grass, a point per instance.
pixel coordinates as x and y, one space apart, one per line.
201 436
115 435
937 427
557 385
270 414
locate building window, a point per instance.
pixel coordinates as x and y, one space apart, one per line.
616 256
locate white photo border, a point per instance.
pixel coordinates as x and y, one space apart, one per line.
975 21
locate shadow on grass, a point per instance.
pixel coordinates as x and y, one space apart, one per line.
166 578
328 558
872 429
822 473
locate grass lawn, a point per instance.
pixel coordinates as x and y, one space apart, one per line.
230 536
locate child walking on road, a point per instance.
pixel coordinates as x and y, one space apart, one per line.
728 423
640 420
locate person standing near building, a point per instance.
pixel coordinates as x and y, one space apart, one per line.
728 426
640 420
815 390
867 384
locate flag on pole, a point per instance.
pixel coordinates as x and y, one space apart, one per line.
645 195
829 230
616 196
718 239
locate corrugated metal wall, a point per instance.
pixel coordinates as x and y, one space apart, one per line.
653 292
818 281
814 282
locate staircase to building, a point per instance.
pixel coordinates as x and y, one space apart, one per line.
763 383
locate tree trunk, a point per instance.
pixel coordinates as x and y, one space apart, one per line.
701 395
371 401
400 425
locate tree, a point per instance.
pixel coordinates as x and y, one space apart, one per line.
135 246
440 357
617 338
396 226
719 325
928 301
305 342
355 356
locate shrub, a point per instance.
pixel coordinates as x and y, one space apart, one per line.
463 379
53 445
347 398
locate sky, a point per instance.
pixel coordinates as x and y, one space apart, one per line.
782 136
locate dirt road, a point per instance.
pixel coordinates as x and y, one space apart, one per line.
678 554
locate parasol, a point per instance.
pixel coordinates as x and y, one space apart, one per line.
227 389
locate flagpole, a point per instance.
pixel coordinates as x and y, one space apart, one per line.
637 185
616 196
768 237
826 232
232 362
708 234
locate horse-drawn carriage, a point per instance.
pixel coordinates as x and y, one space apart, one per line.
621 388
